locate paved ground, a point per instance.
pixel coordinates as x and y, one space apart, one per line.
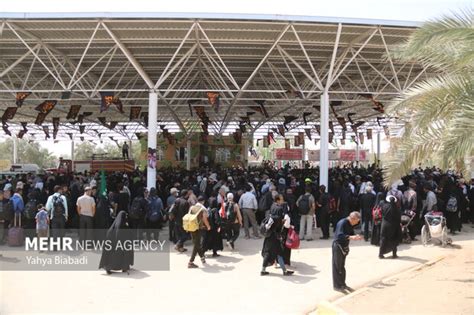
446 287
229 284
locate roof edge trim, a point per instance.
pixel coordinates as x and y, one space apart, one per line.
190 15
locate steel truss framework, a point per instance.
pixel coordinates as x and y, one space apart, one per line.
181 60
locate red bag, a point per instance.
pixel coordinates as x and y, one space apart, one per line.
292 239
377 214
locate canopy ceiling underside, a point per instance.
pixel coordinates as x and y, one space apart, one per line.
183 59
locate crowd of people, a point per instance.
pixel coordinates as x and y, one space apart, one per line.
264 202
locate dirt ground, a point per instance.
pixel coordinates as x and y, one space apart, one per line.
446 287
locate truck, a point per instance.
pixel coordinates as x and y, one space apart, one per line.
93 165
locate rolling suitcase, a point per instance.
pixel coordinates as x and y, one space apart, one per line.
16 234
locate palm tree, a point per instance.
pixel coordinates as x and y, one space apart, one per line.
439 111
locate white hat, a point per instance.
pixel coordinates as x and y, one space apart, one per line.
230 196
8 186
390 197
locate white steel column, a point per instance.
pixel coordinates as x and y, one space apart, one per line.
303 155
72 155
188 155
378 148
357 153
15 150
152 126
324 141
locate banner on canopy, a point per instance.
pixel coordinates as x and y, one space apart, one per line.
288 154
313 155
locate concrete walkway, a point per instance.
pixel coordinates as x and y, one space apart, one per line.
230 284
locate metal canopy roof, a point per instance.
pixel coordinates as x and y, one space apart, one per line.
182 59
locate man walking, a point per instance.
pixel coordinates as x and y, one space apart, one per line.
198 235
180 209
57 208
248 204
340 249
306 209
86 211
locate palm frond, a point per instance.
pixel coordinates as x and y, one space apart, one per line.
439 94
413 148
445 43
458 142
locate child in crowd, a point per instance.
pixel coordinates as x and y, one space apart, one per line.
42 222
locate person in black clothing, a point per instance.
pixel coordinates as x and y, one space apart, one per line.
180 209
470 196
290 199
273 244
340 249
345 199
117 257
102 217
367 203
123 200
376 222
138 210
323 205
391 233
213 237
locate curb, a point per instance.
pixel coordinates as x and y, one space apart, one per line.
329 307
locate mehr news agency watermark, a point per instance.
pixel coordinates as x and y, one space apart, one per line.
68 244
72 253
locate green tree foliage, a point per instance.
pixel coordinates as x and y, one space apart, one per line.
439 111
28 153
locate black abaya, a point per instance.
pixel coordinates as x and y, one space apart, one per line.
117 258
213 238
390 234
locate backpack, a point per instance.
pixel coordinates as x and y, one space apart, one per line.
154 215
136 209
30 209
303 205
58 206
7 211
452 205
191 221
265 203
377 214
332 204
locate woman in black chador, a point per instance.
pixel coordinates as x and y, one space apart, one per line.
377 223
391 232
213 238
117 258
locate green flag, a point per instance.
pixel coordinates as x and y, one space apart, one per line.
103 186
